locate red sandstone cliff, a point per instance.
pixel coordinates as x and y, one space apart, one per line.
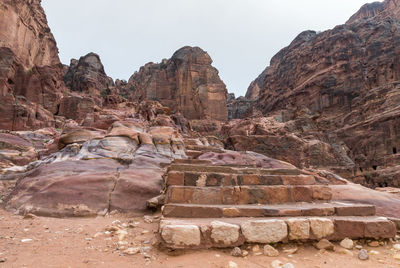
30 70
341 87
186 83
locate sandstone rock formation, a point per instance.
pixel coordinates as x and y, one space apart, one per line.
340 88
387 8
186 83
96 171
30 70
88 76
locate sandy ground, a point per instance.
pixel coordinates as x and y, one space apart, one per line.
85 242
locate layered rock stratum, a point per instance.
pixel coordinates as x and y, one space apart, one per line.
339 89
30 70
75 143
187 83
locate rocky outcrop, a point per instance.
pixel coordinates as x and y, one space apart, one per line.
30 70
240 108
342 87
88 76
96 171
387 8
186 83
253 91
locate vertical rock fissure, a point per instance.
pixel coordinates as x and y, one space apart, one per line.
116 180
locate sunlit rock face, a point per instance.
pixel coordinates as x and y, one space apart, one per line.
186 83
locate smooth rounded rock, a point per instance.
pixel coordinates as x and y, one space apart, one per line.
347 243
363 255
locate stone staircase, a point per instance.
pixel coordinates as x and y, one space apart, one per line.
228 205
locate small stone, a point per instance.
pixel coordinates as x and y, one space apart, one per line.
358 247
347 243
396 257
374 252
270 251
29 216
131 251
343 251
363 255
245 253
373 244
288 265
3 259
276 264
396 247
256 248
26 240
232 264
121 234
236 252
324 244
147 219
88 239
291 250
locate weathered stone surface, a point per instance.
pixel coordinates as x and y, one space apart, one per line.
298 228
30 70
225 233
94 172
335 105
270 251
88 76
186 83
181 235
264 231
321 227
347 243
324 244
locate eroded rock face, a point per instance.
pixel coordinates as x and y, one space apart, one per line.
186 83
338 91
30 70
95 171
88 76
387 8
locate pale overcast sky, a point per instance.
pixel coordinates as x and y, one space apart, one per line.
241 36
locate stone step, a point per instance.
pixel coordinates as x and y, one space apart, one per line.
230 232
192 162
229 179
188 142
284 210
192 154
204 148
241 195
233 169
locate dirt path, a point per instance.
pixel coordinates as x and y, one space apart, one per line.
85 242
